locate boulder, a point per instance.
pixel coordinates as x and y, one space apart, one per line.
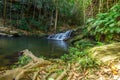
106 53
14 33
6 35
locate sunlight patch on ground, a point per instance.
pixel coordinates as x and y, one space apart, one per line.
106 52
108 58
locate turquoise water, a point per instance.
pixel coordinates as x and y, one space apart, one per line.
10 46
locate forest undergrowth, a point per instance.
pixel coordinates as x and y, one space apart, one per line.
79 64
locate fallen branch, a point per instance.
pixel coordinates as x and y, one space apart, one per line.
64 73
28 53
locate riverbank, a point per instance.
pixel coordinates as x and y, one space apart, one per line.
95 63
87 59
9 31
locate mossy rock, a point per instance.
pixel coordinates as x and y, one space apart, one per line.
106 53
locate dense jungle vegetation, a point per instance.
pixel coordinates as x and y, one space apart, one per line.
95 48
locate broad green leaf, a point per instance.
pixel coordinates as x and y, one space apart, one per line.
50 79
112 25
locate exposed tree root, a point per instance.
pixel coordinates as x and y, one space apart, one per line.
18 73
64 73
40 69
35 75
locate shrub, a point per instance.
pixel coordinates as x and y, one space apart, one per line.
85 59
22 60
38 25
106 25
23 24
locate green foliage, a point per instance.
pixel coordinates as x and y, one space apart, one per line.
105 25
41 13
14 23
73 53
23 24
38 25
88 62
100 43
84 58
50 79
23 60
84 43
1 8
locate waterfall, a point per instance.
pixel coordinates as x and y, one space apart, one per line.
60 36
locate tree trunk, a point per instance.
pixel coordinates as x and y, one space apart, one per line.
56 19
11 12
84 12
107 5
4 14
100 4
34 9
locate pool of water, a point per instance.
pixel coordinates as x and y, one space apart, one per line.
10 46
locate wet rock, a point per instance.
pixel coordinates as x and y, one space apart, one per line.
15 33
4 29
6 35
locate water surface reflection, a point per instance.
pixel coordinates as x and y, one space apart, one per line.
39 46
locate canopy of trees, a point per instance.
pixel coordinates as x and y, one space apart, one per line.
42 14
47 15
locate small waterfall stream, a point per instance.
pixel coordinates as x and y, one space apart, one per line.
60 36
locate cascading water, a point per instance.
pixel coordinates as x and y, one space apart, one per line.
61 36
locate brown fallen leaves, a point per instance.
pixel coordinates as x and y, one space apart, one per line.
40 69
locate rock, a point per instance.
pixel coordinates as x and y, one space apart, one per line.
3 29
77 35
6 31
14 33
106 53
76 38
4 34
